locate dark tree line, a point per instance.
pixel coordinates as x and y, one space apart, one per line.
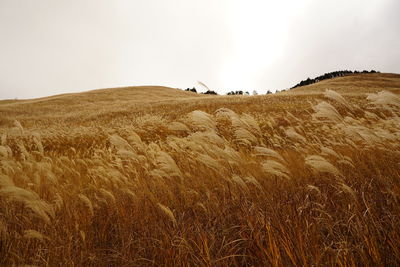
208 92
331 75
240 92
211 92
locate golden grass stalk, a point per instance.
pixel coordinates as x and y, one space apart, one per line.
110 198
178 127
313 188
5 181
244 136
33 234
275 168
267 152
210 162
3 139
38 141
384 98
3 230
203 138
167 164
58 202
18 125
320 164
329 151
253 181
202 120
324 110
347 189
119 143
30 200
87 203
335 96
239 181
168 213
292 134
41 210
251 123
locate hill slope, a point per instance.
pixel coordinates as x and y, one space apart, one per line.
106 106
155 176
92 103
355 84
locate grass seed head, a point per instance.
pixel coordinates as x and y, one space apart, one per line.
320 164
168 213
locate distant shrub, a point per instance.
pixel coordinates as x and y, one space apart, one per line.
240 92
191 90
210 92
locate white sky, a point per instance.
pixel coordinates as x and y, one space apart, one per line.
49 47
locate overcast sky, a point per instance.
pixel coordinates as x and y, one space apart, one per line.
50 47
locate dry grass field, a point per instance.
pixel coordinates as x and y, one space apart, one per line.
154 176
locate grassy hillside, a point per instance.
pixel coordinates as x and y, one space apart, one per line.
158 176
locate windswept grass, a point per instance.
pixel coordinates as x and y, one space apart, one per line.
309 177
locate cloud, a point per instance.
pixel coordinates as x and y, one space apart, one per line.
50 47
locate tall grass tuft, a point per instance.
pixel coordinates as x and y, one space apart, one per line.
326 111
320 164
168 213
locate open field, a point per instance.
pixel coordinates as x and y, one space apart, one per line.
158 176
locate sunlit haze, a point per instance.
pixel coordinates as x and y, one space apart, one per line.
50 47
